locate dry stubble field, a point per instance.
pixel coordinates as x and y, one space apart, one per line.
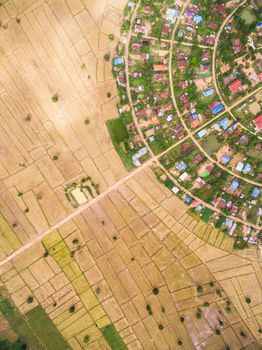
106 261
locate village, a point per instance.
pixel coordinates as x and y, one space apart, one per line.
196 111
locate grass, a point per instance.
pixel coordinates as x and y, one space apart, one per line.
20 326
45 329
112 337
118 130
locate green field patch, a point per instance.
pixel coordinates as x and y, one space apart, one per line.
113 338
40 323
211 144
120 138
117 130
20 326
207 214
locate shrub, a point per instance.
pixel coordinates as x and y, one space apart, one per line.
111 37
46 254
248 300
160 327
108 94
219 293
87 121
228 309
72 309
86 339
28 117
149 309
217 332
55 157
30 299
182 319
211 284
198 314
75 241
179 342
206 304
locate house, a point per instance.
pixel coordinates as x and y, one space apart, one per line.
172 14
183 176
208 92
201 133
235 86
165 29
181 166
258 121
143 151
181 64
255 192
145 56
225 159
121 78
247 168
234 185
160 68
147 10
118 61
181 33
197 19
218 108
240 166
164 95
212 25
224 123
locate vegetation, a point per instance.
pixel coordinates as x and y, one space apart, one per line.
113 338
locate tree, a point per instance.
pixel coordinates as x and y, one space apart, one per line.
199 289
155 290
107 57
54 98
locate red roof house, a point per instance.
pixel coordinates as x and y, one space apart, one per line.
235 86
258 121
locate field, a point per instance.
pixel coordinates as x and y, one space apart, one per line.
128 269
48 49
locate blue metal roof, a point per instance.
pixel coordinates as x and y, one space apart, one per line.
218 108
